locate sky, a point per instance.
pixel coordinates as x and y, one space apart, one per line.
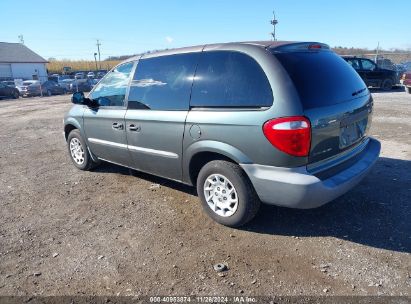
69 29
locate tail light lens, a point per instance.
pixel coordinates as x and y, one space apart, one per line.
291 135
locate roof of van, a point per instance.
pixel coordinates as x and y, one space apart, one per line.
198 48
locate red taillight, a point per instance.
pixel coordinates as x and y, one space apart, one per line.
291 135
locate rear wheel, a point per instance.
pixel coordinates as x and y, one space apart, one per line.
227 194
78 151
387 84
16 95
48 93
408 90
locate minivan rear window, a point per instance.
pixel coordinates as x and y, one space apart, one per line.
322 78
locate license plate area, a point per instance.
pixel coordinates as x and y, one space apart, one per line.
351 133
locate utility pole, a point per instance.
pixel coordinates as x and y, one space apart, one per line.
98 50
95 59
376 53
273 22
21 39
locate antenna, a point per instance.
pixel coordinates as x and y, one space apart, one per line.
273 22
21 39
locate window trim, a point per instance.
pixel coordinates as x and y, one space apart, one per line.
125 104
234 108
162 56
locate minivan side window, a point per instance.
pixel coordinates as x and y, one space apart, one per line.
163 83
230 79
367 65
111 90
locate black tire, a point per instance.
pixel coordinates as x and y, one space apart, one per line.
248 201
387 84
16 94
88 162
408 90
49 93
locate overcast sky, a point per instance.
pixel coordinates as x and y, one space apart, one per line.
69 29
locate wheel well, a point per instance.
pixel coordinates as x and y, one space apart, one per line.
68 129
200 159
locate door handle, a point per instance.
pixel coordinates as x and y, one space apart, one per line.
117 126
134 127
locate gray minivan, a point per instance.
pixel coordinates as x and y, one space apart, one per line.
282 123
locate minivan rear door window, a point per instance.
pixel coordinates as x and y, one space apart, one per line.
230 79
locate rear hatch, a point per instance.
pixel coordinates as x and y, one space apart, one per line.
333 96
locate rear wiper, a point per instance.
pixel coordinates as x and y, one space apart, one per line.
358 92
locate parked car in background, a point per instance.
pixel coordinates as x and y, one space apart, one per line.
9 83
385 63
52 88
30 88
406 81
12 83
66 83
58 78
79 75
301 104
100 74
372 74
7 91
81 85
90 75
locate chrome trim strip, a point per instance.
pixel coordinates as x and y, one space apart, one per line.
134 148
153 152
107 143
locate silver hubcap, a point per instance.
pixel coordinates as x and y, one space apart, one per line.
76 150
220 195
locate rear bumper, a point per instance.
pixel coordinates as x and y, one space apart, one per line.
297 188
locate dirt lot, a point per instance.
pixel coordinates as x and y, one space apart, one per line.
68 232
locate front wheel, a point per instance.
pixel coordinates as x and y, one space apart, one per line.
408 90
78 151
48 93
227 194
16 95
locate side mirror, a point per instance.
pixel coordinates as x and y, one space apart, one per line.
78 98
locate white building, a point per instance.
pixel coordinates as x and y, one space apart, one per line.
19 62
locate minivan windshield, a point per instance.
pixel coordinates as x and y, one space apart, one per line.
322 78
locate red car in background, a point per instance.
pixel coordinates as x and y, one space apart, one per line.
406 81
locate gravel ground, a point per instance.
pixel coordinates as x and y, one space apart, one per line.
68 232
